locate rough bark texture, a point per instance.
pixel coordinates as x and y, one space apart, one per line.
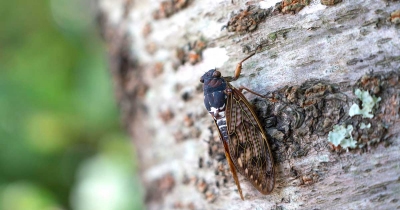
310 61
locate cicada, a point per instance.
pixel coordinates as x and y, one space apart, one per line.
246 147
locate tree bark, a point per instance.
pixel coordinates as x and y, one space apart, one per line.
310 60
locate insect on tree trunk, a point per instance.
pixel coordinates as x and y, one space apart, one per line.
328 70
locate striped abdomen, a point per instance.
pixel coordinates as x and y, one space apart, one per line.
220 119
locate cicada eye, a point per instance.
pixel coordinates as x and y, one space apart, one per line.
216 74
201 80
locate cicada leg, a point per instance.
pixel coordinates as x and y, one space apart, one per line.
239 65
241 88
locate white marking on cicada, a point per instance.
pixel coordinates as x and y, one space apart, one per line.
246 171
217 113
221 116
214 111
221 126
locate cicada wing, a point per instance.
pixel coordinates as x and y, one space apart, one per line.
248 145
230 162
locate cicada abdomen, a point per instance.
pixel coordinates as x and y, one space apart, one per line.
245 143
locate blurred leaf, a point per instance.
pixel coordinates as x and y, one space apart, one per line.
47 132
26 196
104 185
56 106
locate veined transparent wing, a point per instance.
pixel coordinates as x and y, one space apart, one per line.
248 145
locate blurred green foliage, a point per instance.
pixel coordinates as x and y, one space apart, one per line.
58 115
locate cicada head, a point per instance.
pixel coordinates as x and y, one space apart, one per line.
213 81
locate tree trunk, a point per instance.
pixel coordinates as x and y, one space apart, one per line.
316 65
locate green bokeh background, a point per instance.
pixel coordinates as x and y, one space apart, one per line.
61 142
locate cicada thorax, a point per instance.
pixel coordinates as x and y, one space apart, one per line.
215 99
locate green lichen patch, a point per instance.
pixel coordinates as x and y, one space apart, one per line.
368 103
341 136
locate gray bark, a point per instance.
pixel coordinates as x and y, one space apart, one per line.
309 64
